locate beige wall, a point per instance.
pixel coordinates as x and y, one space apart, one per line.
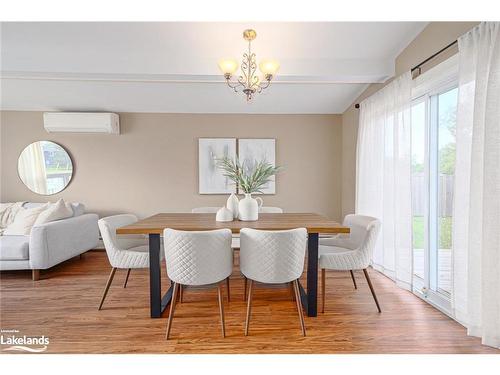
434 37
152 166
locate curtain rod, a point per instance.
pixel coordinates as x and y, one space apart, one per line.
419 65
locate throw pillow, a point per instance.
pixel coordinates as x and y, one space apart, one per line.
56 211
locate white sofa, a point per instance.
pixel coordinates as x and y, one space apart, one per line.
51 243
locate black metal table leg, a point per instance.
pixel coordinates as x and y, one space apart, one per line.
154 276
312 274
158 304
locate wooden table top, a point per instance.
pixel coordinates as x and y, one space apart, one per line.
155 224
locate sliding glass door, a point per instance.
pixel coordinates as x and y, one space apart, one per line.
433 126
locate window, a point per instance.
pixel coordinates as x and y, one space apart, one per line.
433 124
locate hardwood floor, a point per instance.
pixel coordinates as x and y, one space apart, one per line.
63 306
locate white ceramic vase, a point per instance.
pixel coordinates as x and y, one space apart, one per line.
224 214
232 204
249 208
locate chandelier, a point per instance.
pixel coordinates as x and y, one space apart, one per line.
249 82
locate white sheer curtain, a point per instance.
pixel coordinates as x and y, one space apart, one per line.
31 168
383 179
476 227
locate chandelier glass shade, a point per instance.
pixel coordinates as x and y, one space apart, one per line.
249 81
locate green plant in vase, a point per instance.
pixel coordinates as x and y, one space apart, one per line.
250 179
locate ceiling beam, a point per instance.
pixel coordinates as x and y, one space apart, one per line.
292 71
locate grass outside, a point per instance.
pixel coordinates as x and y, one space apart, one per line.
444 231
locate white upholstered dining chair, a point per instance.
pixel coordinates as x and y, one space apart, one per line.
235 242
197 258
350 252
126 252
273 257
262 210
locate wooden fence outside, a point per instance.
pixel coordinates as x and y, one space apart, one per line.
445 194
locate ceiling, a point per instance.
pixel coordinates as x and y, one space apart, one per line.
172 66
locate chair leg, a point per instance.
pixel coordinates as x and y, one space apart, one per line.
228 292
172 308
35 275
221 310
323 289
353 279
299 306
108 284
181 293
246 289
292 291
249 307
365 271
126 278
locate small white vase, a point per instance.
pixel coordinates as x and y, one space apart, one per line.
224 214
249 208
232 204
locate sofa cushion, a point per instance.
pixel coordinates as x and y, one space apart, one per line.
14 247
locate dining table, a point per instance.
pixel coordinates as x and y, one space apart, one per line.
154 226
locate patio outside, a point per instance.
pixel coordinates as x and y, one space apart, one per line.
444 250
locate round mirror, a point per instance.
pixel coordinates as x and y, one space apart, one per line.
45 167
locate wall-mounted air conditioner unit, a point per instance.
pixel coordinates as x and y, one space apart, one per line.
81 122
